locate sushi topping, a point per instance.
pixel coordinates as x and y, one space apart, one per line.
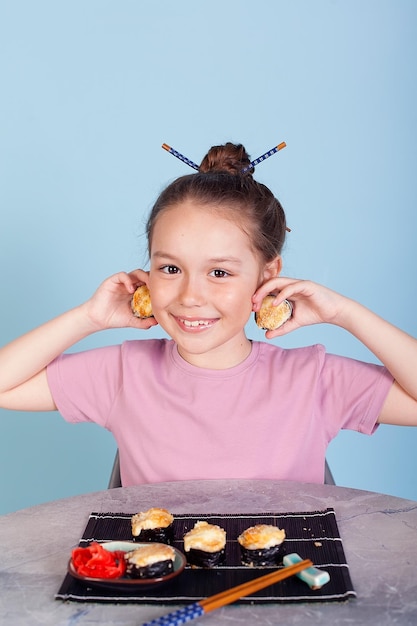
151 519
271 317
261 537
150 554
206 537
95 561
141 303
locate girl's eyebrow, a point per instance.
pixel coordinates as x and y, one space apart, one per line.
214 260
228 259
163 255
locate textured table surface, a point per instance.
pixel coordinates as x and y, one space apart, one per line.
379 535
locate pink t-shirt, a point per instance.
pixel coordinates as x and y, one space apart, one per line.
272 416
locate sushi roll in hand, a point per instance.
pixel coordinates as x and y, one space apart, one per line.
141 303
271 317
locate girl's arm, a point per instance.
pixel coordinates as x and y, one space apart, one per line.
314 304
23 382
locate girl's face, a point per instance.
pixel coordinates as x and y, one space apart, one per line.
202 278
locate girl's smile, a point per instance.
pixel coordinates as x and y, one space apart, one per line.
202 278
195 325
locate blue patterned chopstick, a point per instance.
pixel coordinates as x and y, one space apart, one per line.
190 612
181 616
264 156
180 156
251 165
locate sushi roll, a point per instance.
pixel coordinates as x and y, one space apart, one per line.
153 525
141 303
150 561
271 317
261 545
204 545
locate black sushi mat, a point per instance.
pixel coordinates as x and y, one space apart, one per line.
312 535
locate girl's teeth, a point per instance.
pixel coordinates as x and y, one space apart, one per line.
196 323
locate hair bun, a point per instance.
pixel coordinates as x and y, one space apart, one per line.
230 157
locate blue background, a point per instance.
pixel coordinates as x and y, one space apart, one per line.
91 89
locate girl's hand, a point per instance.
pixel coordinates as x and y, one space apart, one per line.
109 306
312 303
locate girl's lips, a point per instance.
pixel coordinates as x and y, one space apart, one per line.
195 324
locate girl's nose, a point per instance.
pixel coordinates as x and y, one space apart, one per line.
191 293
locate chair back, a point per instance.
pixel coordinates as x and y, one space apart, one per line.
115 480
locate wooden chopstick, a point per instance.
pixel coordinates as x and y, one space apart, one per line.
191 611
245 589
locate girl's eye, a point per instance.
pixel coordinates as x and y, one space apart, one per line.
170 269
219 273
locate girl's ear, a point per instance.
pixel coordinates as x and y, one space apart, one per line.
272 269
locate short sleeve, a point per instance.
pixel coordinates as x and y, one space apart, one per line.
84 385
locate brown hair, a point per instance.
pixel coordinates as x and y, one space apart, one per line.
220 182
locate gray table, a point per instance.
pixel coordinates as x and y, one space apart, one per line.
379 535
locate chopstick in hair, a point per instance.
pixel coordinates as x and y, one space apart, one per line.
264 156
180 156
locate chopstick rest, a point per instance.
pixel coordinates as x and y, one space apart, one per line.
186 614
313 577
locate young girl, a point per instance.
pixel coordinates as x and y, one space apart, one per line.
209 402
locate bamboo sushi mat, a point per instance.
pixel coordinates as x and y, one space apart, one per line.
313 535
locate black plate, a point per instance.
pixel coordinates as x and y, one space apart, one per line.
129 583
